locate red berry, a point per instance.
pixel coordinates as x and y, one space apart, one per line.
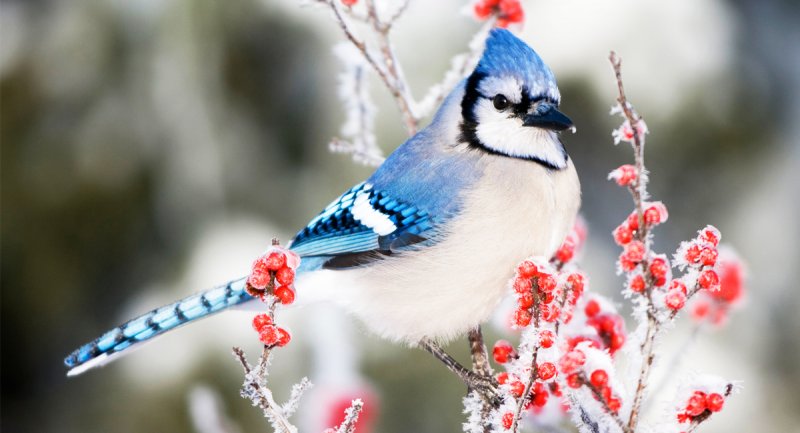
546 338
546 283
349 3
275 260
700 310
502 351
508 420
268 335
574 380
592 308
634 251
658 268
517 388
708 280
546 370
622 234
614 404
714 402
540 398
637 284
675 300
549 312
577 282
696 404
522 318
259 280
616 341
711 235
633 221
522 285
692 254
567 250
527 269
571 361
285 294
525 300
605 393
599 378
502 378
285 276
656 213
283 337
624 175
260 321
708 256
677 285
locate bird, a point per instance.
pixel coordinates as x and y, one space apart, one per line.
424 248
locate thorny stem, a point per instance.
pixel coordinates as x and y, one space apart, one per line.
390 75
638 191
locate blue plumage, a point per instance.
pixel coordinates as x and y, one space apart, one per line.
506 110
157 322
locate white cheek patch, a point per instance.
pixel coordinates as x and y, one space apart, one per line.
509 87
506 135
364 213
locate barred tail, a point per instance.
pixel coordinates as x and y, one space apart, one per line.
114 342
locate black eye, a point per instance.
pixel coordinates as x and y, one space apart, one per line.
500 102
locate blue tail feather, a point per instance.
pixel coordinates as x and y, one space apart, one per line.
154 323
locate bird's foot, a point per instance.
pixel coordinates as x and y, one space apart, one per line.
484 384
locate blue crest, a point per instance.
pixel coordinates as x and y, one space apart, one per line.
507 55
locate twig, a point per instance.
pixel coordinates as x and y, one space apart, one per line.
261 396
613 415
390 74
480 366
639 192
675 360
348 425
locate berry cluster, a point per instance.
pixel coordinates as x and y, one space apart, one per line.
269 333
609 325
271 279
537 287
700 406
715 306
273 274
507 11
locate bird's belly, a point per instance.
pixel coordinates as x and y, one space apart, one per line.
443 290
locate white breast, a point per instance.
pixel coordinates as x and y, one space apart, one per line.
518 209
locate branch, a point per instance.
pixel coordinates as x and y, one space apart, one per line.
389 73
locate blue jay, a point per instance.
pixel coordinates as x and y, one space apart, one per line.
425 247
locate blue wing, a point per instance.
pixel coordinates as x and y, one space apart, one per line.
362 224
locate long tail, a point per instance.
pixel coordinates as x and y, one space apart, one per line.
114 342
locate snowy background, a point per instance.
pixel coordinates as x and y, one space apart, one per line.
151 149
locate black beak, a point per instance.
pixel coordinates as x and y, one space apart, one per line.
547 116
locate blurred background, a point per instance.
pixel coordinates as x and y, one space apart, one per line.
152 148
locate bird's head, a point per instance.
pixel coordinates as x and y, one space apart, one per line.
510 105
